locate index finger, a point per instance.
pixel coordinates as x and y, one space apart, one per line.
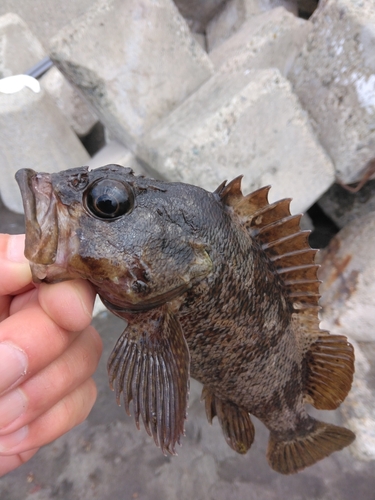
15 272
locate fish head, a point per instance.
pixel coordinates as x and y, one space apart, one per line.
137 240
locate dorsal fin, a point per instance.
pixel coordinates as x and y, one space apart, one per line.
282 239
329 359
230 193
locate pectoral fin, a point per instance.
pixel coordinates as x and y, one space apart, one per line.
235 422
150 366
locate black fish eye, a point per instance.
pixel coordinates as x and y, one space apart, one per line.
109 199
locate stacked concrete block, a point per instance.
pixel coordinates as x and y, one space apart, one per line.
133 61
334 77
198 12
116 153
19 48
358 409
34 135
271 39
348 275
235 13
343 207
70 103
45 17
242 123
348 301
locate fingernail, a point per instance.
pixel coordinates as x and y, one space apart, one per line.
16 248
12 406
11 440
13 365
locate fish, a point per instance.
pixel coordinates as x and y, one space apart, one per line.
218 286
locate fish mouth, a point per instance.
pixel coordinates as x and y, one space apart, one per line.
40 216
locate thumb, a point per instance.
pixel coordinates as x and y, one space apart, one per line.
15 271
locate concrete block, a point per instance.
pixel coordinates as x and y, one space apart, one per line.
235 13
19 48
201 39
334 77
45 17
271 39
133 61
343 206
198 12
68 100
348 274
116 153
35 135
358 409
242 123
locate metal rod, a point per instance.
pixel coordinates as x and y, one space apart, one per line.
40 68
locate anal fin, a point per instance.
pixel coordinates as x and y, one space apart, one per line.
235 422
150 366
318 440
329 369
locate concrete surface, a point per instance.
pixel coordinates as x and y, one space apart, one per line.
348 275
45 17
106 458
343 206
234 14
133 62
270 40
77 112
19 48
334 77
235 110
34 134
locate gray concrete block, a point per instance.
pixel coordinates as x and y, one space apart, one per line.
271 39
358 409
34 135
116 153
134 62
19 48
348 275
198 12
235 13
45 17
334 77
242 123
343 206
80 117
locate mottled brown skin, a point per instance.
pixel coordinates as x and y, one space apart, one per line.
240 336
180 260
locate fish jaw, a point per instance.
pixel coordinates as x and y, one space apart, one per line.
49 238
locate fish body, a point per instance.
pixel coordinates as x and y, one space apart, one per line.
217 286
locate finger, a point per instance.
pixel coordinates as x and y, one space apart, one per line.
41 392
62 417
29 341
5 303
15 269
23 301
10 463
69 304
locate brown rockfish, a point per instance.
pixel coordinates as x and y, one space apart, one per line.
219 286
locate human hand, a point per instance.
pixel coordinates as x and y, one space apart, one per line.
48 352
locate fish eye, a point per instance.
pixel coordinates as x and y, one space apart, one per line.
109 199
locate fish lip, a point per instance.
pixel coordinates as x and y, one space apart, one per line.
40 216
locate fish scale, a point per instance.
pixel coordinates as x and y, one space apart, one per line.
218 286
